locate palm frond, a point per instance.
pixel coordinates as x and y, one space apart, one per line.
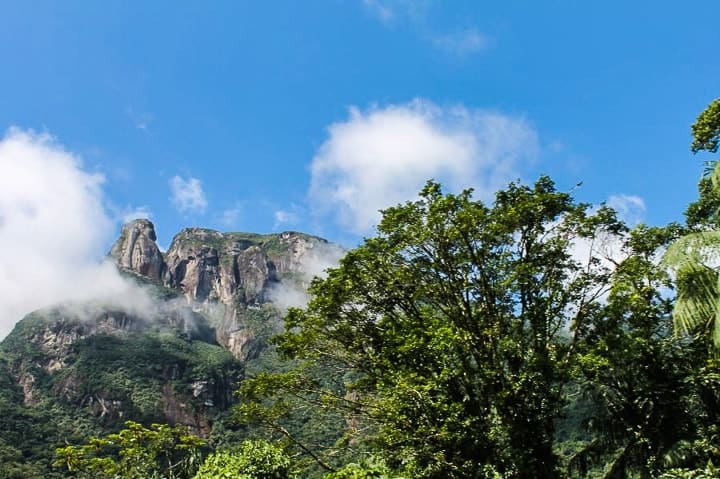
712 171
701 247
693 260
696 304
716 319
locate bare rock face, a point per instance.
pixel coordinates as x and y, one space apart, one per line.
193 266
227 268
227 274
295 253
27 382
236 274
241 342
55 339
254 271
224 273
137 251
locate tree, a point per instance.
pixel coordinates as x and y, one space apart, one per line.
455 326
693 259
160 451
368 469
251 460
693 256
706 129
635 369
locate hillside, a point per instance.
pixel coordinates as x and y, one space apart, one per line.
75 370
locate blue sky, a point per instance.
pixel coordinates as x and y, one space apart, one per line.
309 115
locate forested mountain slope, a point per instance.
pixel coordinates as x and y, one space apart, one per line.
75 370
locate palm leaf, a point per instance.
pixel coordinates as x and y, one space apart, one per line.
712 171
693 259
698 248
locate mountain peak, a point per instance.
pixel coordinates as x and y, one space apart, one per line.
136 249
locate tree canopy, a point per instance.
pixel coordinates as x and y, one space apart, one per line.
455 325
693 257
160 451
706 129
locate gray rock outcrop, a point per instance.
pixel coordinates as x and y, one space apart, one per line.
137 251
229 275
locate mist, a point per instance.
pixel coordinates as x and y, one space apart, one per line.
54 232
315 262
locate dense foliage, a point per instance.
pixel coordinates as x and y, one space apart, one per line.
252 460
145 373
159 451
453 320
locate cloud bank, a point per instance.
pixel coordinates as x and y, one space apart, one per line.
53 232
383 156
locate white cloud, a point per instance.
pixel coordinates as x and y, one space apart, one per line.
630 208
53 232
129 214
606 248
609 249
284 217
188 195
229 217
310 263
461 43
383 156
415 13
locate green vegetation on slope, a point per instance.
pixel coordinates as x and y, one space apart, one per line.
91 384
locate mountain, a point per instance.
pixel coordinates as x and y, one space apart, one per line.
211 302
229 276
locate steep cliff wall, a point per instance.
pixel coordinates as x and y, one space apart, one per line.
136 250
229 276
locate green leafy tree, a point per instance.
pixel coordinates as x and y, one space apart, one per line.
368 469
693 257
157 452
635 369
708 472
451 325
251 460
706 129
693 260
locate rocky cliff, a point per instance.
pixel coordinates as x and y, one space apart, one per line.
230 276
114 366
137 250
